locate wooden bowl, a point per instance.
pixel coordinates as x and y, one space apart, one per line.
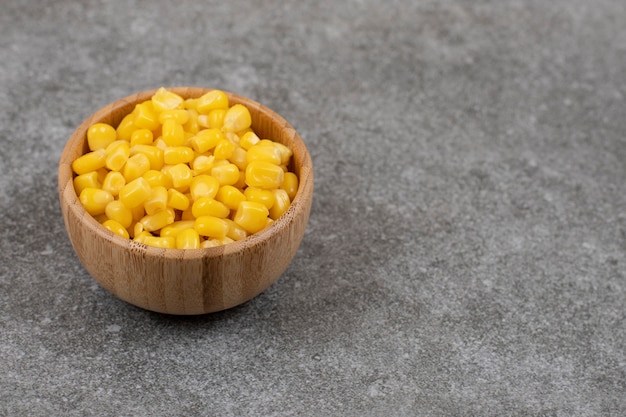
190 281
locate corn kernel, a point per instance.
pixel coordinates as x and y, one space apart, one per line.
206 206
180 116
159 242
230 196
177 200
126 127
211 226
91 161
155 155
192 125
204 186
216 118
235 232
117 211
224 149
173 133
136 166
206 140
239 158
202 163
281 203
155 178
263 174
285 152
141 236
135 192
173 155
210 243
114 182
290 184
214 99
259 195
248 140
180 174
116 228
163 100
157 201
117 154
178 226
260 152
95 200
188 239
237 118
100 135
141 137
158 220
89 179
226 174
251 216
145 116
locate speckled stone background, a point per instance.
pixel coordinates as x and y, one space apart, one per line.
466 252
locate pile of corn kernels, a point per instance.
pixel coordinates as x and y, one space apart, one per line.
184 173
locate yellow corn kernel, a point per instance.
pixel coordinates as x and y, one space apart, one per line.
175 228
159 242
177 200
203 121
216 118
180 174
285 152
173 155
281 203
158 220
100 135
224 149
126 127
261 152
259 195
95 200
239 158
235 232
206 140
137 229
135 192
226 174
155 155
264 174
141 137
89 179
155 178
180 116
211 226
173 133
251 216
190 103
140 236
192 126
214 99
230 196
163 100
237 118
203 186
135 167
117 154
113 182
188 239
202 163
248 140
116 228
233 137
157 201
206 206
160 143
144 116
91 161
116 210
210 243
290 184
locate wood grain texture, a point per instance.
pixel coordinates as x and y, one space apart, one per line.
194 281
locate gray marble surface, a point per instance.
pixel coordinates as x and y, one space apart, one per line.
466 252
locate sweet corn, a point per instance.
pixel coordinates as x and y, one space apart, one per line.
188 239
164 100
259 195
281 204
235 232
173 133
192 126
135 193
159 242
224 149
226 174
178 226
141 137
155 178
100 135
206 206
239 158
210 243
89 179
203 163
91 161
290 184
214 99
145 117
210 226
156 156
126 127
158 220
203 186
113 182
173 155
180 175
230 196
237 118
116 228
262 152
95 200
216 118
264 174
135 167
251 216
248 140
116 210
117 153
157 201
177 200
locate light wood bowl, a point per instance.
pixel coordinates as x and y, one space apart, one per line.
188 282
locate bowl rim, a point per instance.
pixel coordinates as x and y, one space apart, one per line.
77 139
